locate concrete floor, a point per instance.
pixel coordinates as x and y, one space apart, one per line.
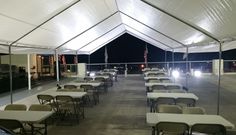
122 110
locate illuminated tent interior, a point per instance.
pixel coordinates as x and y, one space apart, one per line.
84 26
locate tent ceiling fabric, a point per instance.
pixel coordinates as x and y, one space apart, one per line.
88 25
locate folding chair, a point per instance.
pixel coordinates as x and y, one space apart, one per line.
172 128
213 129
16 107
13 125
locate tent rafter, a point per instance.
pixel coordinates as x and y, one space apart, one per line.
182 21
149 36
87 29
100 36
153 29
45 22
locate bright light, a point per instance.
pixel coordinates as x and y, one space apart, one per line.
142 66
197 73
175 73
92 74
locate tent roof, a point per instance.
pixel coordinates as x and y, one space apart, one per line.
84 26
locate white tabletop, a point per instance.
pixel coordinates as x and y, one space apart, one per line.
146 73
94 84
150 84
153 118
155 77
72 94
103 76
153 95
26 116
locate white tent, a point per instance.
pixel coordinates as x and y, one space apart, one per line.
70 26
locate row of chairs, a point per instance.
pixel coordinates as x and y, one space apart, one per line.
167 87
164 128
92 93
182 102
183 128
159 80
178 110
64 106
23 107
16 127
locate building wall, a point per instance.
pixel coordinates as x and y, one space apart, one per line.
20 60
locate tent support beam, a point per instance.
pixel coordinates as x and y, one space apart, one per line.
87 29
10 75
219 79
107 42
57 67
100 36
173 59
28 69
45 22
182 21
149 36
153 29
165 59
187 67
89 62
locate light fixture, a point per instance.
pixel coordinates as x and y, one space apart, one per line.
197 73
92 74
175 73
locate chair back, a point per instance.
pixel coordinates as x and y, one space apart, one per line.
45 99
40 107
165 80
165 100
87 87
70 87
13 125
65 102
173 128
160 74
158 87
169 109
177 91
173 87
153 80
16 107
152 74
88 78
5 131
185 102
193 110
100 79
160 91
213 129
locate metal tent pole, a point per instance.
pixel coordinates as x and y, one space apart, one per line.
173 59
57 67
89 62
187 67
219 79
10 75
165 60
28 69
76 62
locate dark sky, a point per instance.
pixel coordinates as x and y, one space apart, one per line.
127 48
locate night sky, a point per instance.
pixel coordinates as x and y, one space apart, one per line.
127 48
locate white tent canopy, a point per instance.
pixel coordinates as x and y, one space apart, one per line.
71 26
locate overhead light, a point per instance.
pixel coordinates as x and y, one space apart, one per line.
197 73
175 73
